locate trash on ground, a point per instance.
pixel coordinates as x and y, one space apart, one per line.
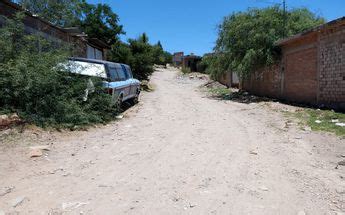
119 117
73 205
17 201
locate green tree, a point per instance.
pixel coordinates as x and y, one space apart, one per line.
158 54
99 21
63 13
142 59
246 40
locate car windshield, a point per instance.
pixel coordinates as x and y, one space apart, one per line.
86 68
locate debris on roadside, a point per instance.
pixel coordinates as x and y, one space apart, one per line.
146 86
318 121
6 190
37 151
18 201
34 153
263 188
301 213
340 163
72 205
119 117
7 120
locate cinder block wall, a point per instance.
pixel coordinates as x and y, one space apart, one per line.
332 66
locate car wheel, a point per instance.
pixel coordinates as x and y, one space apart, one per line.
118 103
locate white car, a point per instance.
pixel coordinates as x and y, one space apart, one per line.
119 81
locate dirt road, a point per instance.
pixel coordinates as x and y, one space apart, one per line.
178 152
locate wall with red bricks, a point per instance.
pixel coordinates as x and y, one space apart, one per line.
312 69
300 76
264 82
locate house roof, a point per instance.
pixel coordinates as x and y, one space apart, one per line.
28 13
311 31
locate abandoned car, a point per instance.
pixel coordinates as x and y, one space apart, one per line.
118 78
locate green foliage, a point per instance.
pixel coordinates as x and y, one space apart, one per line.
321 120
246 39
99 21
140 55
142 59
215 65
220 93
186 70
32 85
62 13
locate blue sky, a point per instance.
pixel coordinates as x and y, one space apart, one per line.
191 25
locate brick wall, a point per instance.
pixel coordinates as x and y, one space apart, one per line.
312 69
332 66
264 82
300 74
225 79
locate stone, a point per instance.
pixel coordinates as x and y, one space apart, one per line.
17 201
43 147
341 163
263 188
6 190
301 213
119 117
35 153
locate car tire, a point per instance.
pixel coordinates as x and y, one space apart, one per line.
118 103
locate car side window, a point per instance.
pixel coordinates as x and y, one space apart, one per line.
129 71
113 74
128 74
121 73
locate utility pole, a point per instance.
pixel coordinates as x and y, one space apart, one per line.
284 18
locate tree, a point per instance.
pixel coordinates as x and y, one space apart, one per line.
142 59
144 38
158 54
246 40
99 21
63 13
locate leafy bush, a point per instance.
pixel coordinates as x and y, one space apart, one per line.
185 70
32 85
140 55
246 40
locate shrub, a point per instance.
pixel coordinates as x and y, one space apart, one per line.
32 84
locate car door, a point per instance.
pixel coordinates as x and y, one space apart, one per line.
113 85
133 83
125 84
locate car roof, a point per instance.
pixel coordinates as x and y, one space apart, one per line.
95 61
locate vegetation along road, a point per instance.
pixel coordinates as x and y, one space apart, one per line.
178 152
